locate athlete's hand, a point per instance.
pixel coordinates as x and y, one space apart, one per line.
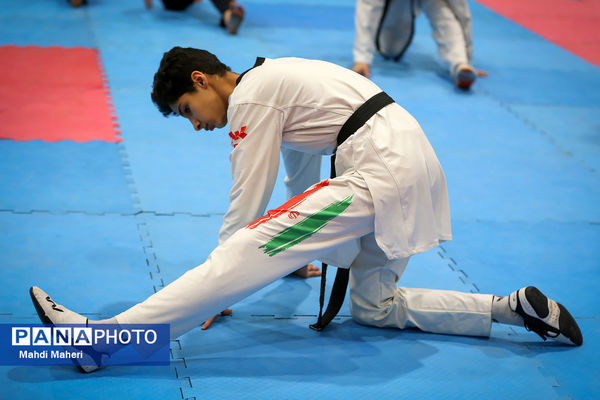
481 73
308 271
362 68
208 323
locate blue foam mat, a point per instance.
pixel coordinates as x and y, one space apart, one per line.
561 258
65 383
285 359
517 199
170 175
498 167
573 129
68 255
64 176
583 384
20 24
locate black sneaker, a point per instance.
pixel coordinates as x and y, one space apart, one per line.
544 316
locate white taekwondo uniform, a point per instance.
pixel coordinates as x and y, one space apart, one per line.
450 22
388 202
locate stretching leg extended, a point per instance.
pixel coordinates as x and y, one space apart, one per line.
322 218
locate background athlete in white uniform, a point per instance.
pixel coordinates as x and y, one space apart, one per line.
388 202
388 25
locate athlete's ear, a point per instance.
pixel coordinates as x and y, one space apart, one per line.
200 79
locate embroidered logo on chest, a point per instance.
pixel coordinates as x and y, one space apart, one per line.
237 136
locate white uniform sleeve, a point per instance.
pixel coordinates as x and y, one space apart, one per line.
366 18
303 170
256 133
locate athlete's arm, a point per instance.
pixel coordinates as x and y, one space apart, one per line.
256 132
366 18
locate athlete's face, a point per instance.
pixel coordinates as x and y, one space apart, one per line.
203 107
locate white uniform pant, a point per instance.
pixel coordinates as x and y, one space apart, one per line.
447 33
325 217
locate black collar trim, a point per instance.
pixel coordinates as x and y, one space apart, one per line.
259 61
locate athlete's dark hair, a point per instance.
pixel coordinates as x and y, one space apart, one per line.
173 78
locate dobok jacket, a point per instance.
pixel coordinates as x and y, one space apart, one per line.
301 105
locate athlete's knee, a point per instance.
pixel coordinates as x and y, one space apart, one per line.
388 312
366 316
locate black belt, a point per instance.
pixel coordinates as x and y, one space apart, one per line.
338 291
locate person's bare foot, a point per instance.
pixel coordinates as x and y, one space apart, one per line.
308 271
209 322
233 17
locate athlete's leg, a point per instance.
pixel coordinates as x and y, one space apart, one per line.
221 5
232 14
332 214
376 300
450 39
446 31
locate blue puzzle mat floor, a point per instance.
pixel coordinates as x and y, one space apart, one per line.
101 226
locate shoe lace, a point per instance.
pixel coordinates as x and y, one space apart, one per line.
542 329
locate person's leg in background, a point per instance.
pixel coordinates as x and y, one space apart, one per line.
449 36
232 14
177 5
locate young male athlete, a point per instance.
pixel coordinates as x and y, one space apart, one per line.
387 203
